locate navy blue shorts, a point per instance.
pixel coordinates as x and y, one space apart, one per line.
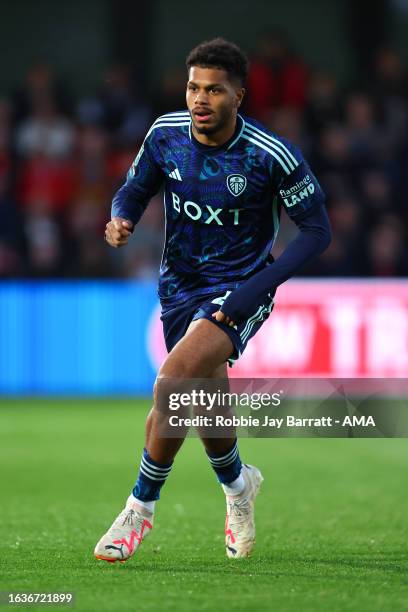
177 319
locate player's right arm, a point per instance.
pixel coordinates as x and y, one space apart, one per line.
143 181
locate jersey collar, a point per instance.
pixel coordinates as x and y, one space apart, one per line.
239 128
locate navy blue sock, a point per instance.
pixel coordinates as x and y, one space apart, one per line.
228 465
152 476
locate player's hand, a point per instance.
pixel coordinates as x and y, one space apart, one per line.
223 318
117 232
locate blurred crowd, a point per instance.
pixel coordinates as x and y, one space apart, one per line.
61 159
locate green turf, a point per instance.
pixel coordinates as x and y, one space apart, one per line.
331 518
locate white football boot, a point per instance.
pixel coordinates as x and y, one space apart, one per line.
240 520
124 537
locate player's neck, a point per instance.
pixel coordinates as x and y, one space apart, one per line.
218 138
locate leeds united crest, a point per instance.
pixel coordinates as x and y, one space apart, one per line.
236 184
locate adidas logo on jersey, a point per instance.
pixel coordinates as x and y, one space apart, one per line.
175 174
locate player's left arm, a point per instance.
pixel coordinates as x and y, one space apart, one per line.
309 214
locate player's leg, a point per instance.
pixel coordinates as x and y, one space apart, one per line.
196 355
202 349
240 482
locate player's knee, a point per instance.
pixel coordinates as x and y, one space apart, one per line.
165 386
179 368
166 396
173 376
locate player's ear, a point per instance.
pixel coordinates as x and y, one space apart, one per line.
240 96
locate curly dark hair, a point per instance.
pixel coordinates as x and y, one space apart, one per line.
220 53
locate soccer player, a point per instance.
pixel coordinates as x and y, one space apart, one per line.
226 178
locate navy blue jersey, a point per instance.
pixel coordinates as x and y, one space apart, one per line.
222 203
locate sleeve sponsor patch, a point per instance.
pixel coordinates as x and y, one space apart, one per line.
300 191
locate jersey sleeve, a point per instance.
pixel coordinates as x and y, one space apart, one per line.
301 195
294 183
143 181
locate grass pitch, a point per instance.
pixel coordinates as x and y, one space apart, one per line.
331 517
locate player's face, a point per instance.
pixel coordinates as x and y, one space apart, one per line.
212 99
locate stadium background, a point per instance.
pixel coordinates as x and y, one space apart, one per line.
78 93
79 329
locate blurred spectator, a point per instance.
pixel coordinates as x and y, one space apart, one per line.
40 82
343 257
386 252
365 137
172 94
332 162
376 193
287 122
390 91
44 131
90 203
391 77
45 142
323 102
11 238
58 172
44 244
276 77
118 107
